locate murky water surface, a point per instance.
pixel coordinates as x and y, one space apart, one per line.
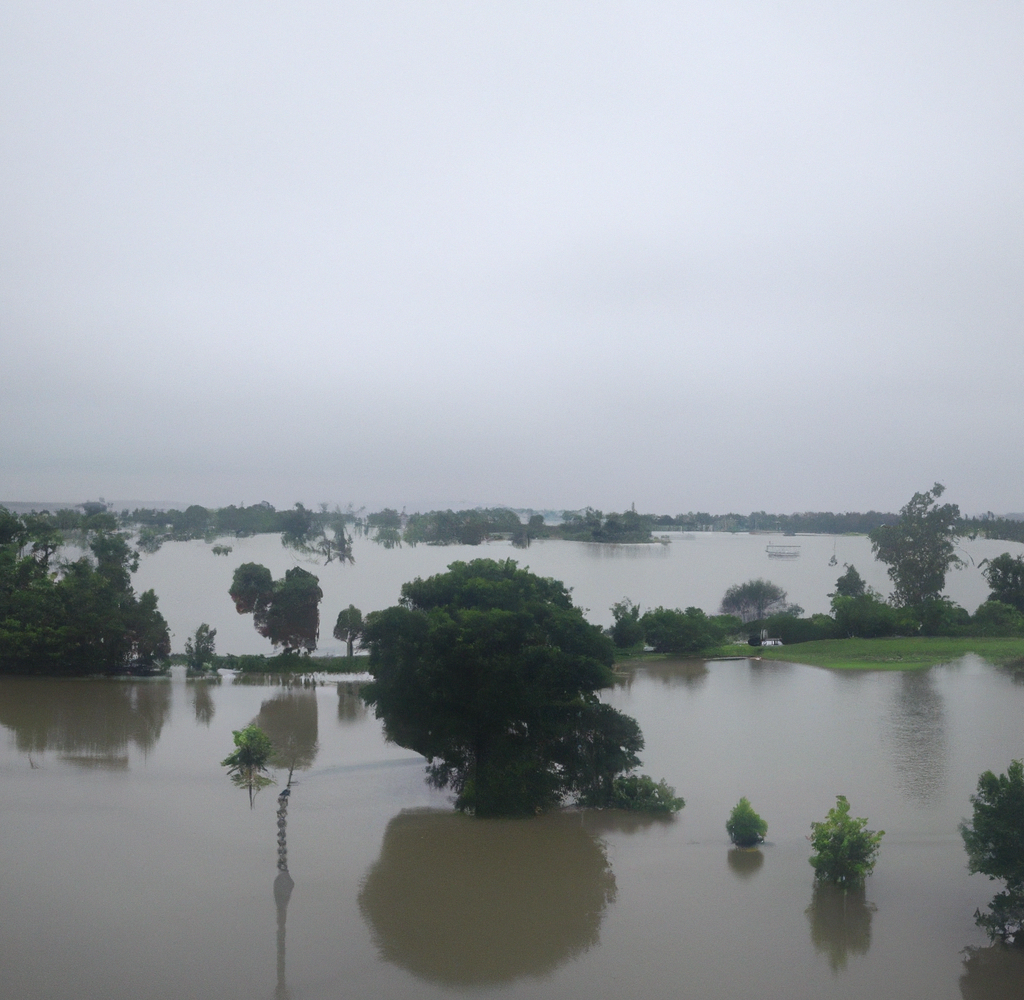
130 867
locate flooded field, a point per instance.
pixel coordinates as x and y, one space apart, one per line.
693 569
131 866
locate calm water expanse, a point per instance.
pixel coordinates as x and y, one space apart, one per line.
192 583
130 867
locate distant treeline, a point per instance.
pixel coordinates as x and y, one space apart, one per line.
391 528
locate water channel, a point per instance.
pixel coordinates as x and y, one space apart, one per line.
132 868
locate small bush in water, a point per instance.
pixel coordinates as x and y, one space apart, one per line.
844 852
744 826
641 793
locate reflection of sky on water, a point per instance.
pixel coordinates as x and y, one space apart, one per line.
915 733
468 902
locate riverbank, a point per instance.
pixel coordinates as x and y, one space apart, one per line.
911 653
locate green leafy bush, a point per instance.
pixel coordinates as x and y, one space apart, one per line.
744 826
641 793
844 852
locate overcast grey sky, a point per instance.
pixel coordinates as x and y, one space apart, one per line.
693 255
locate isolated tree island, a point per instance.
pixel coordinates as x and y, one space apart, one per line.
491 673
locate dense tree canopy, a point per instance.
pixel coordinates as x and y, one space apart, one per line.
994 840
1005 575
753 600
919 548
286 611
844 851
349 627
75 617
490 672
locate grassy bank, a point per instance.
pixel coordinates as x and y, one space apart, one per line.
893 654
294 664
914 653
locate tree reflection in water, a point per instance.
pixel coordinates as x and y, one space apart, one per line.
994 973
290 720
283 886
469 902
202 698
745 862
351 707
840 923
86 722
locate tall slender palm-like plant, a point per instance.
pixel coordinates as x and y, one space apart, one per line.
247 766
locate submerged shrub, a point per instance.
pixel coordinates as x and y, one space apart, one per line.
641 793
844 852
744 826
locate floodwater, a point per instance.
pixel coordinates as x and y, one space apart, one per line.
131 867
692 569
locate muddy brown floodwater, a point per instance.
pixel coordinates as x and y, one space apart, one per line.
130 866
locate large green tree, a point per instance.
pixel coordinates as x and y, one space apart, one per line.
77 617
753 600
491 673
285 611
994 840
1005 575
919 548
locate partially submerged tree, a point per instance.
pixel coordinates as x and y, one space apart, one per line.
491 673
247 764
349 627
744 826
286 611
994 841
844 851
201 648
753 600
919 549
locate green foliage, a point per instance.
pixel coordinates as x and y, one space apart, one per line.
995 618
73 618
850 584
753 600
641 793
682 632
791 629
349 627
1005 575
591 525
626 630
286 611
940 616
994 841
844 851
490 672
919 549
744 826
201 648
247 763
868 617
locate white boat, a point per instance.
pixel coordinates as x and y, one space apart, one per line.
776 551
